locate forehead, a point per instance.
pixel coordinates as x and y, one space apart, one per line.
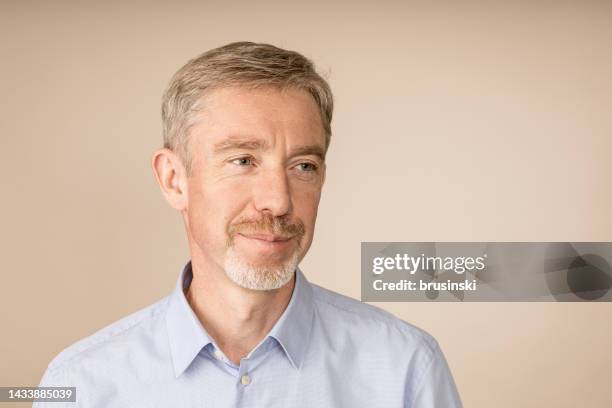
263 113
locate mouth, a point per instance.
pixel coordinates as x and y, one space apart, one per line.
271 238
267 244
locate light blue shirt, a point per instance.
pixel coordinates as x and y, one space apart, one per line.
326 350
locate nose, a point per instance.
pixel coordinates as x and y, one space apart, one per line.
272 193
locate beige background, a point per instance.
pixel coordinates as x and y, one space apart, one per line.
471 122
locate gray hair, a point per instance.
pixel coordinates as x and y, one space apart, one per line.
236 64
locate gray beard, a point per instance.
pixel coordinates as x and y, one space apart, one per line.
265 277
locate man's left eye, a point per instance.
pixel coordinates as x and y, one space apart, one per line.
307 166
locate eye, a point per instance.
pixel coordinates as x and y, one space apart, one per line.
307 167
243 161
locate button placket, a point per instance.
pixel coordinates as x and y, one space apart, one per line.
245 379
244 376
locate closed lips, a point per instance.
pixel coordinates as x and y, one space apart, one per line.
269 238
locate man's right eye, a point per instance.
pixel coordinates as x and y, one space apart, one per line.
243 161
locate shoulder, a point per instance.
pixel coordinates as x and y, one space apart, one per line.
123 334
354 318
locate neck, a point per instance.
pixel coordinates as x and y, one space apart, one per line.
236 318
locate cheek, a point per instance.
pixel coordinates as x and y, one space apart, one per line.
306 204
306 211
211 210
200 217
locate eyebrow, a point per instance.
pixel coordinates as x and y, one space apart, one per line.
314 150
235 143
258 144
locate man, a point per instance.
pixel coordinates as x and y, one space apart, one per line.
246 131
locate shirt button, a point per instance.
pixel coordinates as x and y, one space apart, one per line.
245 380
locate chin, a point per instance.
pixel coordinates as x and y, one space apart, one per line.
259 275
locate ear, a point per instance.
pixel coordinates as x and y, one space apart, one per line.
171 177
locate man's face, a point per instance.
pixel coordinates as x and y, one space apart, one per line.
258 169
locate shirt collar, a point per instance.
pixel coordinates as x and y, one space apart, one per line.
185 332
187 337
293 328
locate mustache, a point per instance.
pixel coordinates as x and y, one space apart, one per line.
282 226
